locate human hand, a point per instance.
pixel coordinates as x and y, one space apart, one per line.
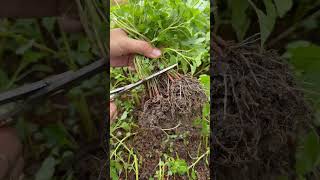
11 160
123 49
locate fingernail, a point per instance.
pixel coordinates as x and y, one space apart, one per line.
156 52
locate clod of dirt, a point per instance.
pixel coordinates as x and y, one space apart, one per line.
179 101
258 113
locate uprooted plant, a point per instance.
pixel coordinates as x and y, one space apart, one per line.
180 29
173 103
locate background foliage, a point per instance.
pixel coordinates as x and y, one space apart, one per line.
56 132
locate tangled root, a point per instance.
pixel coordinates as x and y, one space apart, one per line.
181 101
258 112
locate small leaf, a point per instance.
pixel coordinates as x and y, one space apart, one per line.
125 126
47 169
283 6
266 21
179 166
124 115
239 19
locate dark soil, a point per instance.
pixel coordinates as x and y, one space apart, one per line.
258 111
166 127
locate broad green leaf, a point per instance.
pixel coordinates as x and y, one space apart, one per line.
239 19
283 6
305 58
266 21
309 154
47 169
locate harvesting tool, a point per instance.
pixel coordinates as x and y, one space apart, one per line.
31 93
123 89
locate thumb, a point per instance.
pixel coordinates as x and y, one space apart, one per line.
134 46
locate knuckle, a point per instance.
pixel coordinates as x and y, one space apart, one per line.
144 46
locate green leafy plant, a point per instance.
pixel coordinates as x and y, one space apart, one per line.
180 29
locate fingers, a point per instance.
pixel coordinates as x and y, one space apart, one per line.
134 46
122 45
119 61
113 112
